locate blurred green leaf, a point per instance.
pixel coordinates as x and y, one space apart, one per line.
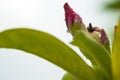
116 53
95 52
50 48
114 5
67 76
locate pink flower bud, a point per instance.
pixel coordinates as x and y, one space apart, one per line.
94 32
70 16
103 38
98 34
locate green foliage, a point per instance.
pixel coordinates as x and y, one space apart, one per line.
116 53
50 48
94 51
114 5
67 76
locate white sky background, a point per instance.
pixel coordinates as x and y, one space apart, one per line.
48 16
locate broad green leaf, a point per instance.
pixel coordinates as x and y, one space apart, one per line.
95 52
50 48
67 76
116 53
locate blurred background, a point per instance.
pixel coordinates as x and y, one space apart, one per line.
48 16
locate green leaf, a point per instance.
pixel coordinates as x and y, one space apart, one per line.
67 76
116 53
95 52
114 5
50 48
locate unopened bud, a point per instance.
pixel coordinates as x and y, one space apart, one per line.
98 34
73 20
103 37
94 32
